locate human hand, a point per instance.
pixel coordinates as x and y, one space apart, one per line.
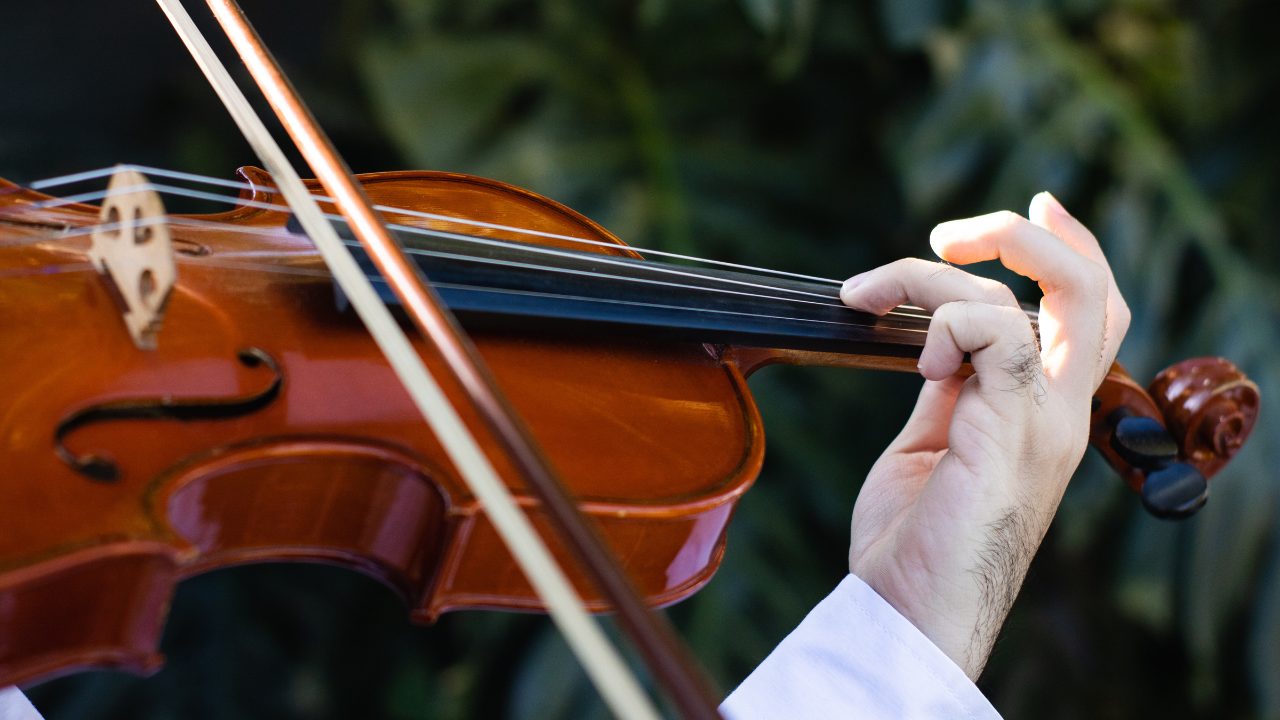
952 513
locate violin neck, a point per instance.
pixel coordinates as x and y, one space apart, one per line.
533 288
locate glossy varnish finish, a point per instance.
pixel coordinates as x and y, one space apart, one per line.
656 440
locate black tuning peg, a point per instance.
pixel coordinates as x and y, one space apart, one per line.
1143 443
1175 492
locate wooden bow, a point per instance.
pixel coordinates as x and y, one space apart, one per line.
670 662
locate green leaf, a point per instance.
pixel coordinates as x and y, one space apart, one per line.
1264 638
908 23
442 99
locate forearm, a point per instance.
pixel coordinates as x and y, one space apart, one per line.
963 612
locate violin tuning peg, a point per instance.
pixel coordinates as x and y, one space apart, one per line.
1175 492
1144 443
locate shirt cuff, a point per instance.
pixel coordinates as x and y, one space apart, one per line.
854 655
15 706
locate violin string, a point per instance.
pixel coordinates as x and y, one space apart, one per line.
234 264
904 311
324 273
438 254
275 267
240 185
231 264
47 270
193 222
80 231
831 300
318 273
321 273
191 177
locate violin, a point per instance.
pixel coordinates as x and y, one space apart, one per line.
265 425
203 395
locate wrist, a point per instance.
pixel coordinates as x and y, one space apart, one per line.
952 629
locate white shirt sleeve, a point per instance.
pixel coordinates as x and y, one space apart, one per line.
15 706
855 656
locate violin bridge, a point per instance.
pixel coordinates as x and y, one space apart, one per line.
133 251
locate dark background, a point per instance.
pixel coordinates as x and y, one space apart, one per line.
816 137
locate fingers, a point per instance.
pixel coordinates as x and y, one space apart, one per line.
929 285
1049 214
1072 326
970 315
999 340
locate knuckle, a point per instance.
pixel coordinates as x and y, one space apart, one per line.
1122 309
951 312
1007 220
1013 317
1096 279
972 322
949 318
997 293
904 263
1088 278
904 270
1122 318
919 267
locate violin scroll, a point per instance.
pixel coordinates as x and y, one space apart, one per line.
1210 407
1168 440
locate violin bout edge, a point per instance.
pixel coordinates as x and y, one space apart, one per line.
103 607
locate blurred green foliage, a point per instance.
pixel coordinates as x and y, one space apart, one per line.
822 138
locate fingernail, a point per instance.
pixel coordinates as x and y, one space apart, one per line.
1054 205
852 284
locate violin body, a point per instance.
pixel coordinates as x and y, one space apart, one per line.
656 440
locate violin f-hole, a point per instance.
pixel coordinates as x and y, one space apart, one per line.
102 468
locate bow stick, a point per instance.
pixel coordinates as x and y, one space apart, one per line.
670 662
